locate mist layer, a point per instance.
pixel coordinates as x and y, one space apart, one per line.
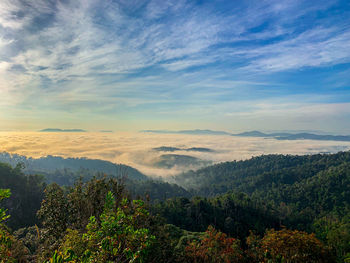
138 149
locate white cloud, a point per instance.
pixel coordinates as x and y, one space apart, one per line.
106 55
81 42
314 48
135 149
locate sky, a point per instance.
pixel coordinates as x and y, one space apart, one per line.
130 65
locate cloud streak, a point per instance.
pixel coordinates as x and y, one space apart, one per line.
108 57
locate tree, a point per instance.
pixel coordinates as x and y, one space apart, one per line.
288 246
10 249
215 246
120 235
26 195
336 233
53 212
6 239
55 218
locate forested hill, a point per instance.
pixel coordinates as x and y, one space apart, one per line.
56 165
257 211
300 189
259 173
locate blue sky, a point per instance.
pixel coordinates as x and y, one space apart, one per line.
131 65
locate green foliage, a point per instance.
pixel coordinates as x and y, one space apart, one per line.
155 189
234 214
88 199
26 195
58 257
300 191
53 213
258 174
6 240
119 236
170 243
10 249
97 221
65 171
4 193
72 208
6 243
30 238
336 233
288 246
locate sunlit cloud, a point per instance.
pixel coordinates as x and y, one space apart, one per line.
137 149
113 59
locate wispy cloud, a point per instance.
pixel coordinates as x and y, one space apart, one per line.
112 56
315 48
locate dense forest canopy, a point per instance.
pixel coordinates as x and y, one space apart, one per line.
272 208
50 165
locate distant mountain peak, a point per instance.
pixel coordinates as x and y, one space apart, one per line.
62 130
194 132
295 136
252 134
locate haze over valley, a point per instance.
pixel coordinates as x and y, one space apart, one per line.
175 131
158 154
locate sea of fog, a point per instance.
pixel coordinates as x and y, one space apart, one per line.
136 149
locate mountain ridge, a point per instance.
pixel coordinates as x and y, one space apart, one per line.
51 164
62 130
255 133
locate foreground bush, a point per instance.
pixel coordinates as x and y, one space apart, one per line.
288 246
11 250
118 236
214 247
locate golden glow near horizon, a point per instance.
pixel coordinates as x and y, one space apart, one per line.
135 149
135 65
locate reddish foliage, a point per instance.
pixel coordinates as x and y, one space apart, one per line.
215 246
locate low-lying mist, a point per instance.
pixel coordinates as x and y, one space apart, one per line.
157 154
